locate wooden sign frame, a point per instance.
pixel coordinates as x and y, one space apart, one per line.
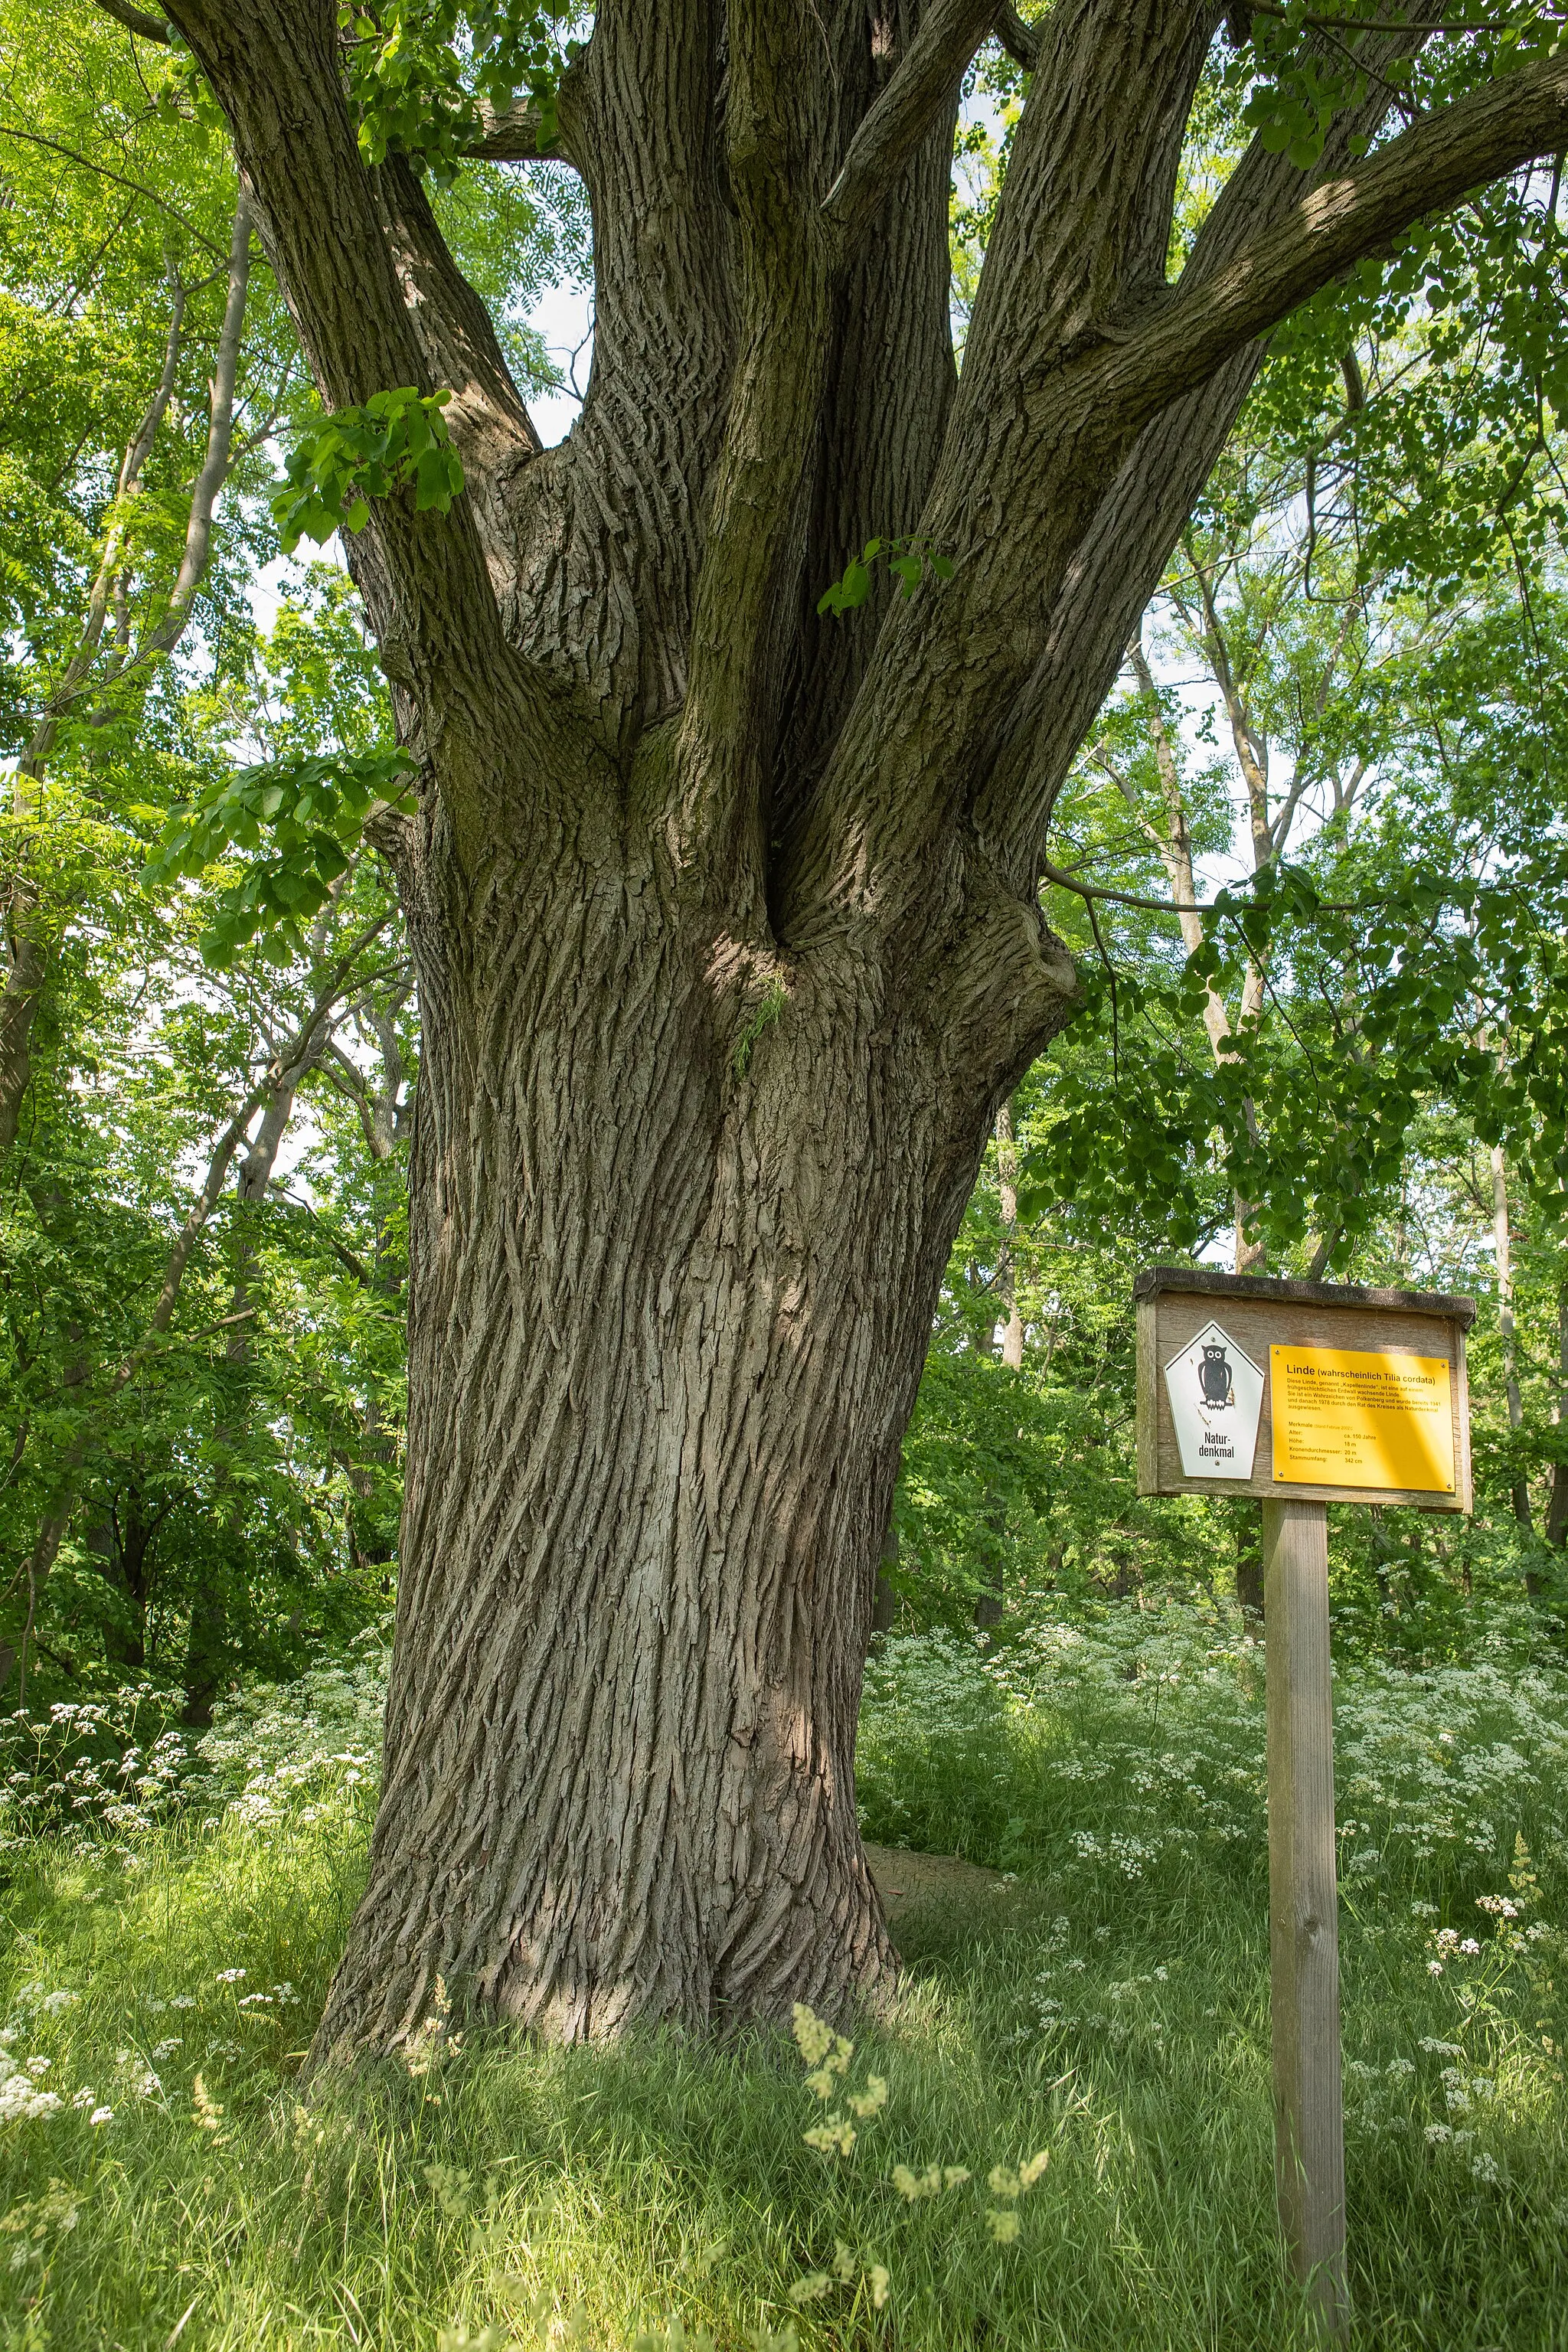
1174 1304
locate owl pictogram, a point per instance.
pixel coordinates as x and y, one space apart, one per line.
1214 1375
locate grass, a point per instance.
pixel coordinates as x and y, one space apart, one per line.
1114 2013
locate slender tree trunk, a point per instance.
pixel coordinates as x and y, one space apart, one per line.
383 1113
989 1606
1557 1509
1249 1562
1503 1246
885 1601
208 1647
1007 1181
1173 839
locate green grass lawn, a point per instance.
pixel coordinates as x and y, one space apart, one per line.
1111 2012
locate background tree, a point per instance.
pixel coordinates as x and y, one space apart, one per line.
203 1423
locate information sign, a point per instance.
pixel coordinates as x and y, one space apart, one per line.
1350 1417
1216 1394
1307 1391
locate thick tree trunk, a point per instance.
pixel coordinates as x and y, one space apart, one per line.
677 1241
728 927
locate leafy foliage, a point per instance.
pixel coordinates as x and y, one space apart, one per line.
907 559
310 813
1296 84
397 440
1311 1104
420 71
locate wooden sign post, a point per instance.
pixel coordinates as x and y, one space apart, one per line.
1303 1393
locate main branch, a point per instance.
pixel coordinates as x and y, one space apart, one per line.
517 137
773 405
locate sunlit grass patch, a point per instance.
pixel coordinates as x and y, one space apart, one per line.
1112 2021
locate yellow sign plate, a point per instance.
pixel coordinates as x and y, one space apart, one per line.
1346 1418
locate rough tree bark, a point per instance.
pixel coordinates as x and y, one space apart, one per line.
727 929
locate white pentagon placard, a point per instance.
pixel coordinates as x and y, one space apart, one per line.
1217 1396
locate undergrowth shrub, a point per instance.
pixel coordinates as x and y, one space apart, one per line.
1133 1749
116 1765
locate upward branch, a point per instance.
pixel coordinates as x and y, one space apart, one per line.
925 79
379 303
773 405
1021 41
216 465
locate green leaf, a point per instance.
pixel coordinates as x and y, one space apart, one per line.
907 558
